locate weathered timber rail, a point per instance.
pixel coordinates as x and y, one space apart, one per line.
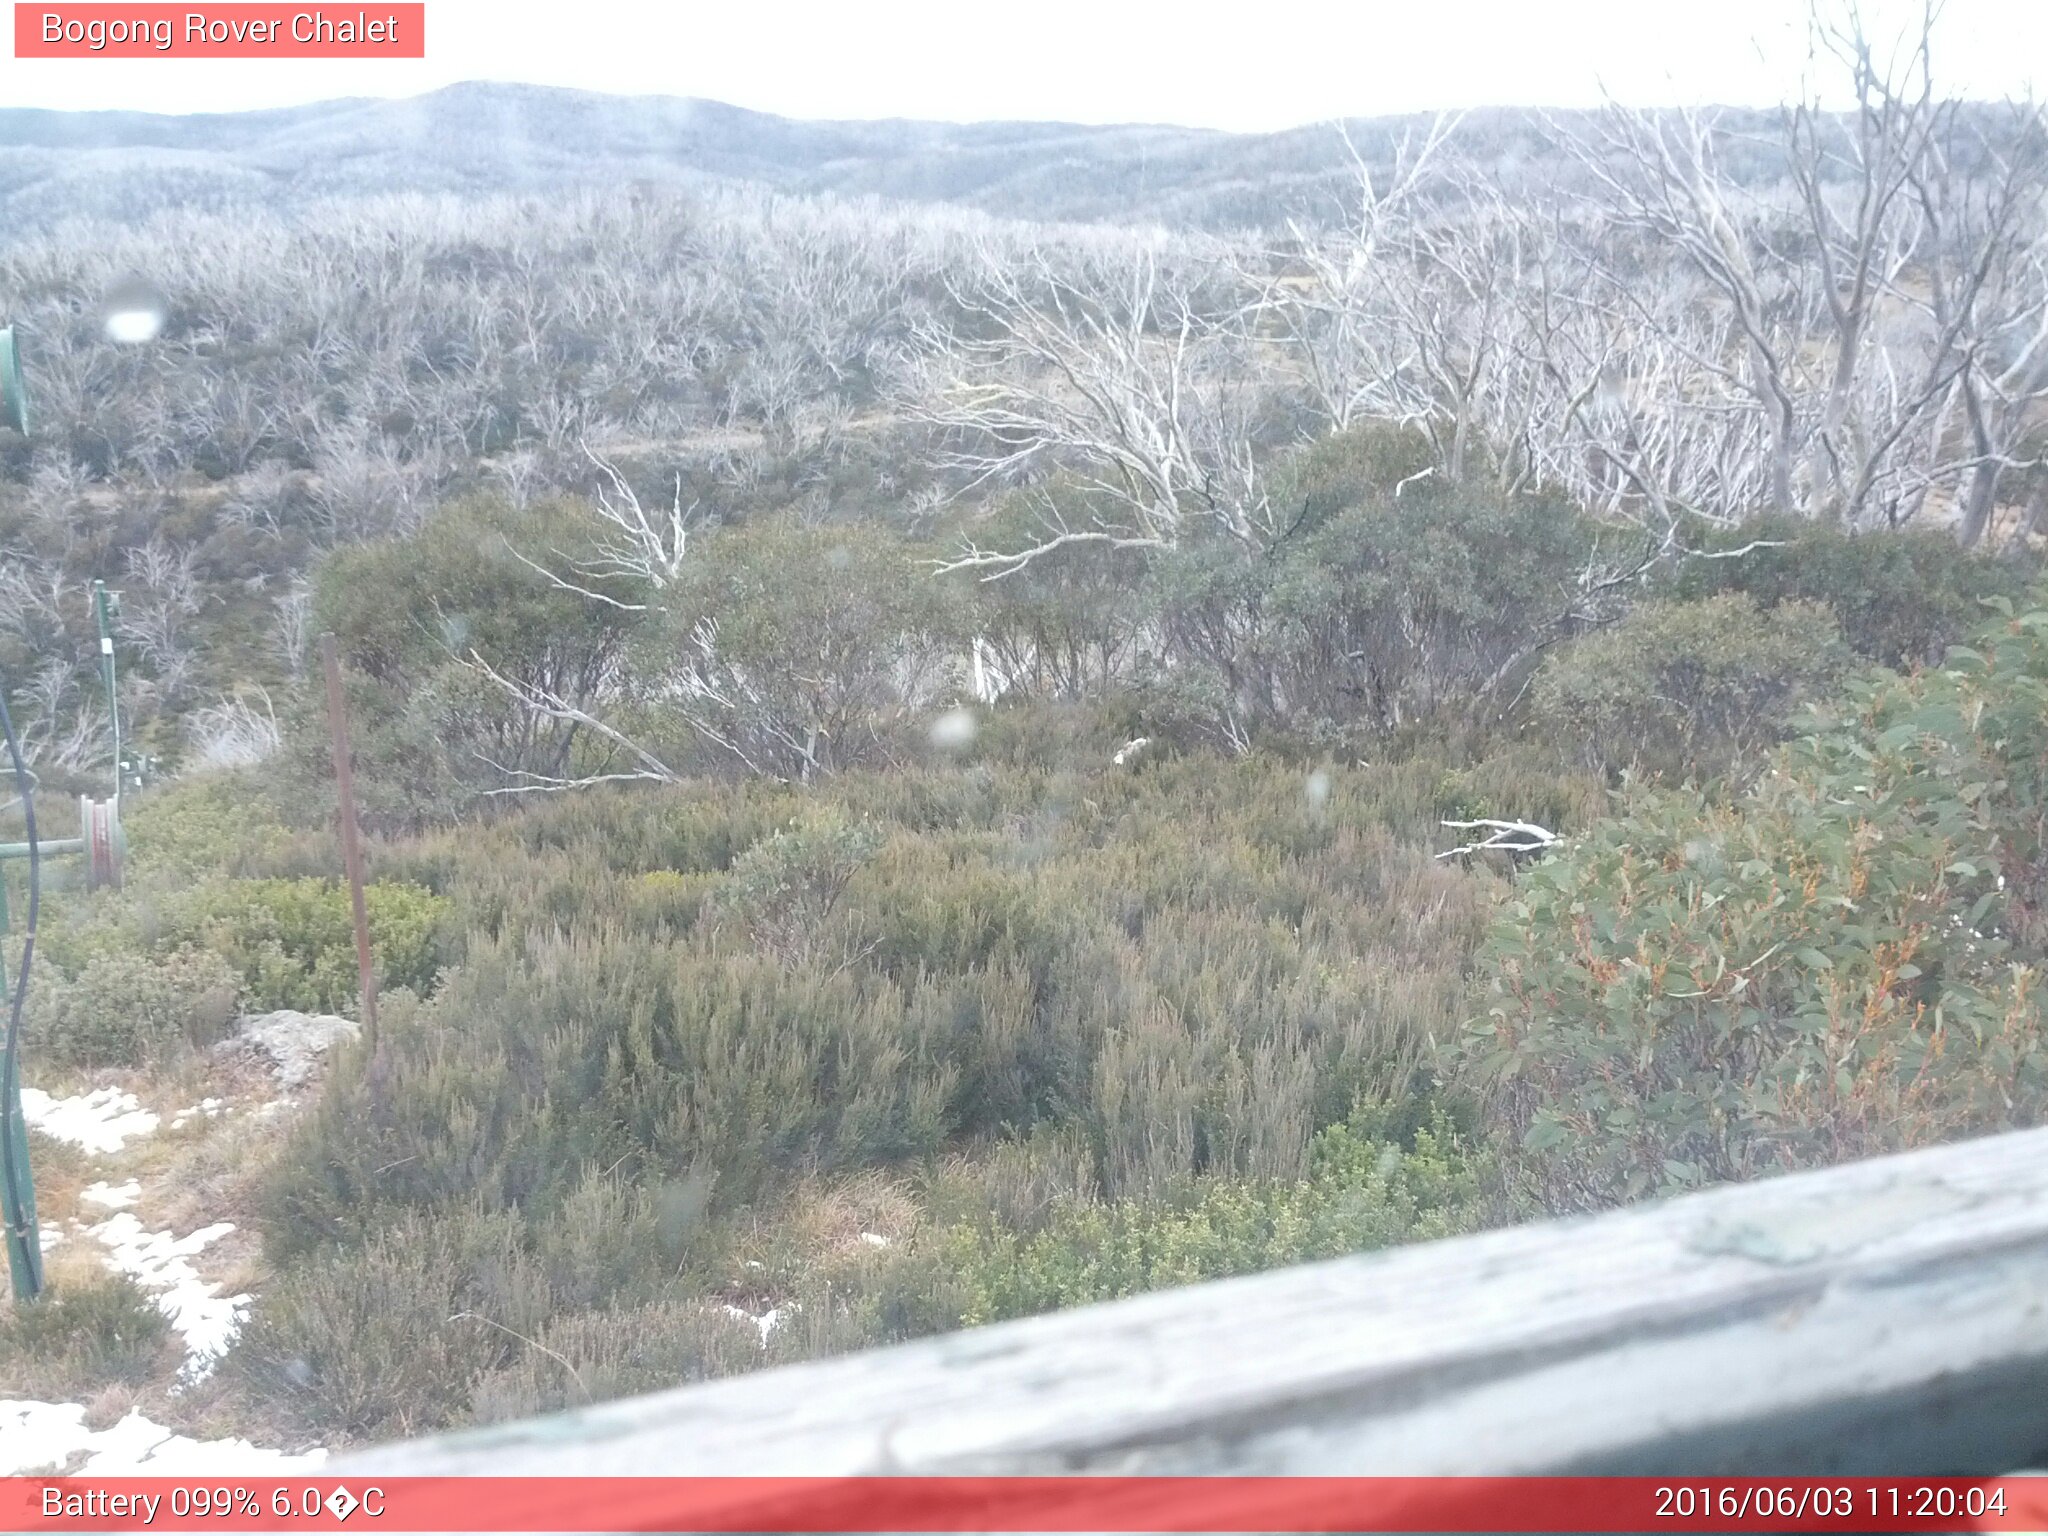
1888 1316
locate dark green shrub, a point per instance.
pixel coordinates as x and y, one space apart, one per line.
1359 1192
430 731
1843 962
403 607
1212 948
81 1335
1069 624
782 892
544 1058
802 651
133 977
1050 737
205 825
591 1357
1901 598
1689 688
389 1339
292 942
1380 603
126 1009
1038 990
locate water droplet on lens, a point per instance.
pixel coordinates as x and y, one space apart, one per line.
134 310
954 729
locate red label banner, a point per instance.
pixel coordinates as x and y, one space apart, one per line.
873 1504
231 31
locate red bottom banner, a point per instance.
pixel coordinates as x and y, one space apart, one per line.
875 1504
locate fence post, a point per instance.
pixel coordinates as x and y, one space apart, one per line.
351 842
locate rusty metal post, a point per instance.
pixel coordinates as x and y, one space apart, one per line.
351 842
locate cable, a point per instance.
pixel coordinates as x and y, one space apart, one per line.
14 1180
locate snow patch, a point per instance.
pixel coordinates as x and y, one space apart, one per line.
101 1121
874 1239
205 1109
766 1321
35 1435
115 1197
159 1262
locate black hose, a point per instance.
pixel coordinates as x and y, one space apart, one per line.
15 1180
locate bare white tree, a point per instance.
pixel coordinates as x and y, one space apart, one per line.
632 543
294 627
234 733
1339 297
1856 308
548 704
1985 284
1134 387
161 596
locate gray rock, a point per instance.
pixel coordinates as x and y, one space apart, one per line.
290 1042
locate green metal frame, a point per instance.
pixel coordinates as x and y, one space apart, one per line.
18 1195
13 393
18 1199
103 844
105 605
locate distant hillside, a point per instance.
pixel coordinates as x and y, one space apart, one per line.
520 138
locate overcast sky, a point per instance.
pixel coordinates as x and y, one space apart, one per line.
1249 65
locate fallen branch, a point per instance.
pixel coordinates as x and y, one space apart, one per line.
552 706
1504 836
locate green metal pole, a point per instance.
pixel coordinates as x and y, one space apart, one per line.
47 847
18 1193
100 612
18 1197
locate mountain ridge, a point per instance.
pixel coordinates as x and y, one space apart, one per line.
482 136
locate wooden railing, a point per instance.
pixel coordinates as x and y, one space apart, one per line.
1889 1316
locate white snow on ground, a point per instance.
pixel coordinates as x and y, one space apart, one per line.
35 1435
874 1239
100 1121
766 1322
160 1263
205 1109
